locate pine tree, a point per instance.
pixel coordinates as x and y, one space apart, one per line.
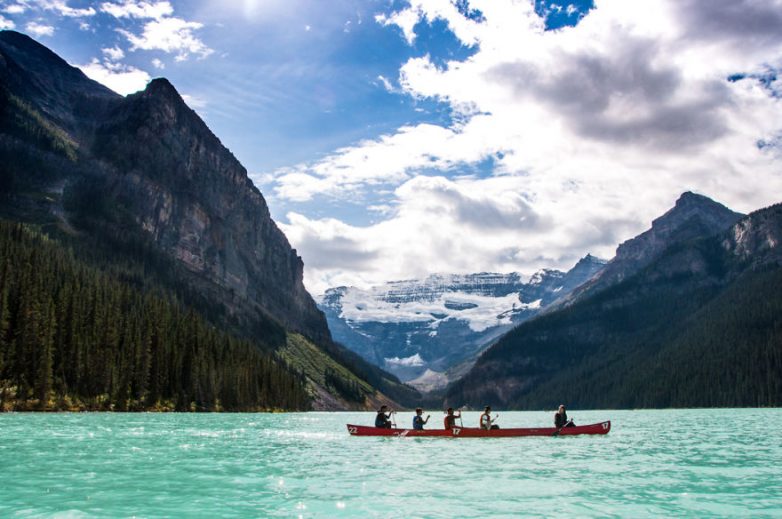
69 332
45 354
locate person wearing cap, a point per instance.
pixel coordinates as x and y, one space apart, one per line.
418 419
560 418
450 419
486 422
383 420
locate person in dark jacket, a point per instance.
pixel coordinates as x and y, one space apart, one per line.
382 419
560 419
418 419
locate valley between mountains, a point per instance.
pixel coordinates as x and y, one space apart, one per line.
141 270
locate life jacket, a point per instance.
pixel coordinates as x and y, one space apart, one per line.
485 421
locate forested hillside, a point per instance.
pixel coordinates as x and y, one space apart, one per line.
142 192
701 326
72 337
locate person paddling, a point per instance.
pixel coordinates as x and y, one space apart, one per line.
383 420
418 419
450 419
560 418
486 421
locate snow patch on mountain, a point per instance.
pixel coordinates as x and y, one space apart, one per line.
479 311
421 329
412 361
429 380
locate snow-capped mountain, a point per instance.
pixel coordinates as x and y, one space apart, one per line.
422 328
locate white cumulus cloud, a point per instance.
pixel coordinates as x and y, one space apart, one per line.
14 9
195 102
171 35
136 9
389 159
39 29
62 7
406 20
5 23
161 30
113 53
562 142
123 79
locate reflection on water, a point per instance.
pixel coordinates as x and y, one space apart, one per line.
682 462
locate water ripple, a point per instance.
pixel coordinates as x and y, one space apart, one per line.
702 463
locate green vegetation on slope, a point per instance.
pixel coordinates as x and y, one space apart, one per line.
692 330
82 163
344 374
305 357
24 121
729 353
31 143
72 337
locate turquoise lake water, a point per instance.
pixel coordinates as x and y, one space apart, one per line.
696 463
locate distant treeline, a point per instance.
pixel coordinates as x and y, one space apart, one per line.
73 337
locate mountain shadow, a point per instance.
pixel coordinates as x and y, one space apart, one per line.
699 324
139 186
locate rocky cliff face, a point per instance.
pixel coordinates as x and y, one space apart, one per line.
192 196
144 182
693 216
153 161
420 329
757 238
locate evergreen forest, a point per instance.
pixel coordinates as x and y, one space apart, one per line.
665 338
76 338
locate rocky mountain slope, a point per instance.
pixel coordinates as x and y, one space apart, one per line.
142 177
700 324
692 216
420 329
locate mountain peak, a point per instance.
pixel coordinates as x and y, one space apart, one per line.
693 216
688 197
692 205
161 86
46 71
185 190
589 259
694 201
159 90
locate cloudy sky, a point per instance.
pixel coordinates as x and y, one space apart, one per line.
394 139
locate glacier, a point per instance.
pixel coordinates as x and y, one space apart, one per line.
422 330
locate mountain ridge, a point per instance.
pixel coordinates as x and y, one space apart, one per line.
644 341
693 215
436 324
145 181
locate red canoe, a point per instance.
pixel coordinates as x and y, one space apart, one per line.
474 432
